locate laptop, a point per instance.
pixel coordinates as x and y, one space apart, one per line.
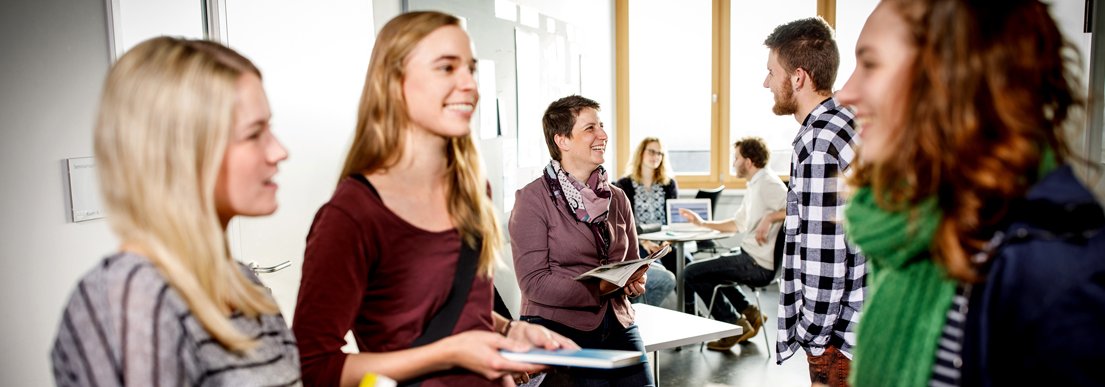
678 222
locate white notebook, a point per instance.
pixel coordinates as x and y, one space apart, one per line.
586 358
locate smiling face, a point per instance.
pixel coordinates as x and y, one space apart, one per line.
877 88
778 81
586 149
439 83
244 185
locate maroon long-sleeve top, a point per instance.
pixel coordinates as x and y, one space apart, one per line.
368 270
551 248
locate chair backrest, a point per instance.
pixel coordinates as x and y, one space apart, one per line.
714 194
780 247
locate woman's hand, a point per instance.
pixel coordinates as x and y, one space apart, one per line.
478 351
539 336
636 285
651 247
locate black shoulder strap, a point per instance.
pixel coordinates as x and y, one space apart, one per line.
443 322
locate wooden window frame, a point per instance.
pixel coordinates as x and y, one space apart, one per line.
720 115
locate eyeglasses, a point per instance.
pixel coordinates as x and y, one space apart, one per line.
651 152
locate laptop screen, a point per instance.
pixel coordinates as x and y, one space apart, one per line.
699 206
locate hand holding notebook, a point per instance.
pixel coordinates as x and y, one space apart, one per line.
619 273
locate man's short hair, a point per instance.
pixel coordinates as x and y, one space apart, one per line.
807 44
755 149
560 117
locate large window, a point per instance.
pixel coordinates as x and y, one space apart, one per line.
672 87
694 74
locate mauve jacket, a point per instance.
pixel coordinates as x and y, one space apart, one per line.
551 248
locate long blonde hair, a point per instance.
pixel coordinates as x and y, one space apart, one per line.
382 124
663 171
163 127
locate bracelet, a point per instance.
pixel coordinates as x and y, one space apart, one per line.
506 329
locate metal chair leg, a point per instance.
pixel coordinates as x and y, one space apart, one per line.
710 308
767 346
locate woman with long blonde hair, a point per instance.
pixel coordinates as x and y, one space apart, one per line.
404 251
182 145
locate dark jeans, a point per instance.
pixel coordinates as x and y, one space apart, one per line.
831 368
609 335
702 276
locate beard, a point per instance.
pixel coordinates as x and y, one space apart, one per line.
785 103
742 172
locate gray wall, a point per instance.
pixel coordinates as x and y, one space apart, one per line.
55 55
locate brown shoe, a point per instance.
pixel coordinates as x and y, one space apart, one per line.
725 343
755 318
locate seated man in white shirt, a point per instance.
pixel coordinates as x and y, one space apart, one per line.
754 264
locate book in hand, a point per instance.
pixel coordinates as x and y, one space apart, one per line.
586 358
618 273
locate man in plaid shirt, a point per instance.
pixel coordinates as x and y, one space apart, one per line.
823 275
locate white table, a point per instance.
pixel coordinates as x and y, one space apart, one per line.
664 328
677 239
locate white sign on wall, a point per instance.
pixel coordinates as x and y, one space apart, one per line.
84 190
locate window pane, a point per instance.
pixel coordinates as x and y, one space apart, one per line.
850 16
750 103
670 78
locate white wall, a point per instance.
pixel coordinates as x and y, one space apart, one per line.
313 61
55 55
1070 15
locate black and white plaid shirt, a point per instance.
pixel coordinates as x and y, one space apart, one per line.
823 275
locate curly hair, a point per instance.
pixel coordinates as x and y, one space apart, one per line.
991 89
755 149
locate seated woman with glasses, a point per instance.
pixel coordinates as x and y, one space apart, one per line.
649 185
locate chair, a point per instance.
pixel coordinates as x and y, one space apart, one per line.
714 194
777 258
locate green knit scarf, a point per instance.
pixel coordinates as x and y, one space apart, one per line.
908 294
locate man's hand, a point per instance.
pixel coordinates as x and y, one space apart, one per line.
762 230
691 215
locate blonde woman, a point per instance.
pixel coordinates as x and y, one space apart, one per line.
403 252
182 145
648 186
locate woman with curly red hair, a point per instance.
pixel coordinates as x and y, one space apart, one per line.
985 252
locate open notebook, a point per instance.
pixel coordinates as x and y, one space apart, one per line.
678 222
